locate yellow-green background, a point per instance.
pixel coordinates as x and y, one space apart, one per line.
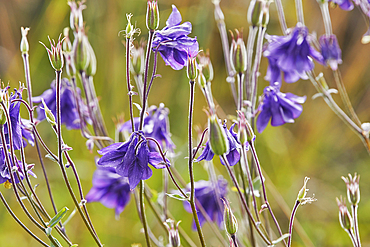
318 145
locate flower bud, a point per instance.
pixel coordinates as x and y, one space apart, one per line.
67 45
217 137
254 14
192 70
48 114
173 233
231 224
152 15
207 68
345 218
353 188
137 59
91 68
202 79
76 19
238 53
265 14
303 192
24 42
55 54
81 52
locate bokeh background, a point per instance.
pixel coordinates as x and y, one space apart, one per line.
318 145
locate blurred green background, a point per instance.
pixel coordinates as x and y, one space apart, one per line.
318 145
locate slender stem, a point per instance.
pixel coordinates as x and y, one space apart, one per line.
344 96
249 177
20 222
129 87
250 45
240 91
256 65
219 17
244 203
299 11
282 21
142 211
191 159
258 166
233 237
324 7
355 221
294 211
60 160
147 60
154 71
165 191
353 239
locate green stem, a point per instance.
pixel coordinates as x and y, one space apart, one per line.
191 159
142 212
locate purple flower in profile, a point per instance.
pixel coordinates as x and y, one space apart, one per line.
291 55
131 159
232 156
4 172
16 126
26 128
156 125
330 51
69 111
343 4
209 195
110 189
280 107
173 42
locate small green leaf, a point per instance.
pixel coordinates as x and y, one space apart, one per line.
50 158
75 245
57 217
177 197
286 235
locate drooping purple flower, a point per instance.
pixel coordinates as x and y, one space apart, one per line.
69 111
280 107
110 189
26 128
4 172
232 156
173 42
156 125
131 159
343 4
291 55
14 120
209 195
330 51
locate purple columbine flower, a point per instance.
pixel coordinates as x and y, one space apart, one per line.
280 107
332 55
343 4
4 172
232 156
26 128
173 42
69 111
156 125
291 55
209 195
131 159
15 121
110 189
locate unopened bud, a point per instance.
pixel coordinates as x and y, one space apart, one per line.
217 137
24 42
137 59
254 15
207 68
265 14
76 18
192 70
81 52
238 53
353 188
345 218
303 192
48 114
91 68
152 15
55 53
231 223
202 79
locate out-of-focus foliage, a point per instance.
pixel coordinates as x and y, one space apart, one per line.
318 145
